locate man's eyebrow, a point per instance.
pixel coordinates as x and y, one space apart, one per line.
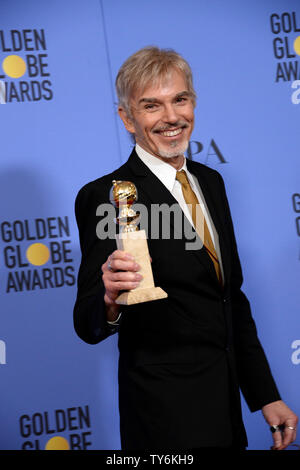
156 100
148 100
183 93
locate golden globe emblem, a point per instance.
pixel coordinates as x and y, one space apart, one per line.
123 195
123 192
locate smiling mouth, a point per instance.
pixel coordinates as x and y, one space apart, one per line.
170 132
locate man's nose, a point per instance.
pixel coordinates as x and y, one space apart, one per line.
170 115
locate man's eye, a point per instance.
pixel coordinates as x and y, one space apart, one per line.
181 99
151 107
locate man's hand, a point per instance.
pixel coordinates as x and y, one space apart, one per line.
119 273
278 413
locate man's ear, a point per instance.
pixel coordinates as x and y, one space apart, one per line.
126 120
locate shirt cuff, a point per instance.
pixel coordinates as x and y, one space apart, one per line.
115 322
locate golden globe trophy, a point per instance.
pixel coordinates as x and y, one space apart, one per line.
134 241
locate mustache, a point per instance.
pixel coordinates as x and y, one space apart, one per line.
167 127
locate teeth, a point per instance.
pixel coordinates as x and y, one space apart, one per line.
172 133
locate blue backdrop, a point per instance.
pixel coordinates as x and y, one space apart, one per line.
59 129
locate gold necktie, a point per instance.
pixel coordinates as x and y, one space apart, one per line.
192 202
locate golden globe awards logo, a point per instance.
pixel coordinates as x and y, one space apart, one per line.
60 429
24 70
286 45
37 254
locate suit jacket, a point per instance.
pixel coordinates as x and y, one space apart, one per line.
183 360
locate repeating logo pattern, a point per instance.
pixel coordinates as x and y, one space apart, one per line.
24 72
37 254
59 429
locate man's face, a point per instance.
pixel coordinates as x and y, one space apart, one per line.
162 117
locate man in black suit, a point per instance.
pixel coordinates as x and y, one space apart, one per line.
184 359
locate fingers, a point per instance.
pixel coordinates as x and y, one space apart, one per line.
120 261
277 440
283 422
290 431
284 436
120 272
289 435
124 281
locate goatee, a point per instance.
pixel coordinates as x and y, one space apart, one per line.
178 149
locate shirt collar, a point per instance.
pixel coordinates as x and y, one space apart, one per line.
165 172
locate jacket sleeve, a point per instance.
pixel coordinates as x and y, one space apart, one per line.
254 374
89 313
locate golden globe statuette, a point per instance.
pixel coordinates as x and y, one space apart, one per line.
134 241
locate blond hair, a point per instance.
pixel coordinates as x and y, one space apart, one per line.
149 65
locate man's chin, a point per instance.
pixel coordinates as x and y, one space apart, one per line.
174 152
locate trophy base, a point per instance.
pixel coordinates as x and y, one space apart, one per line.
141 295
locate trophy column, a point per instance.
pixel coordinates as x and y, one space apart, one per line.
136 244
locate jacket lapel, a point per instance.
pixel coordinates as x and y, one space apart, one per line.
149 183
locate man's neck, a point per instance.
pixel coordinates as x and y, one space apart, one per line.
176 162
